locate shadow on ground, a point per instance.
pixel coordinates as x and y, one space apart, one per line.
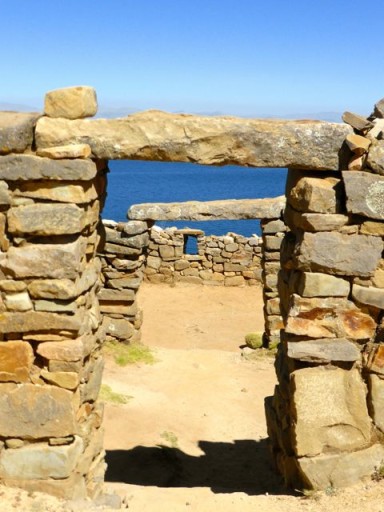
241 466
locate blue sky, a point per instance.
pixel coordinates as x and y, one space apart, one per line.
244 57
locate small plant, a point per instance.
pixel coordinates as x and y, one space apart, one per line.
132 353
108 395
254 340
309 494
378 474
170 438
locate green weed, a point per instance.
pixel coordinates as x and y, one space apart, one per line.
132 353
170 438
108 395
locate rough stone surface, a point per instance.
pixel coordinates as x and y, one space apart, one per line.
62 192
341 470
375 160
337 253
328 318
314 221
70 350
365 193
314 195
324 350
357 144
35 321
368 295
314 284
16 358
67 380
358 122
48 260
33 412
30 167
46 219
210 210
41 461
69 151
341 422
16 131
155 135
71 102
376 389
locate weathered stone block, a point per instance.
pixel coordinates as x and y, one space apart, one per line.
328 318
45 260
206 140
109 295
16 131
30 167
34 321
314 221
324 350
18 302
71 102
41 461
68 151
357 143
365 192
314 195
336 253
118 327
329 411
314 284
56 191
368 295
66 380
121 249
46 219
167 252
69 350
33 412
16 359
341 470
375 160
376 389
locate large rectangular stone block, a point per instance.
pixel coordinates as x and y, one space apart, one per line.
46 219
336 253
16 358
40 461
56 261
16 131
33 412
36 321
329 411
30 167
365 193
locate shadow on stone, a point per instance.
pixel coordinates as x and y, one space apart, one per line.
241 466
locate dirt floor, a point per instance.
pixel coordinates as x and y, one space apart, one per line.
192 436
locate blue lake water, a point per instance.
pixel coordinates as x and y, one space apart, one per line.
132 182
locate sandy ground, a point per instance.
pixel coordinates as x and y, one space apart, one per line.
193 435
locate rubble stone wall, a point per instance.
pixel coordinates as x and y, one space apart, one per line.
231 260
325 419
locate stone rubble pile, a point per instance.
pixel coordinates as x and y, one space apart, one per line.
231 260
326 418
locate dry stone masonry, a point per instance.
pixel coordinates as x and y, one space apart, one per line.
230 260
325 419
67 281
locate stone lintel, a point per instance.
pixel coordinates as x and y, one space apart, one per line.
210 210
160 136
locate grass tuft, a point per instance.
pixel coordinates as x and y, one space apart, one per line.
254 340
132 353
108 395
170 438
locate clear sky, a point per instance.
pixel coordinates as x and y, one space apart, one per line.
245 57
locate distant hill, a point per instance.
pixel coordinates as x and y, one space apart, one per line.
18 107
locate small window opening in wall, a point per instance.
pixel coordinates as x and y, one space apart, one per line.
190 244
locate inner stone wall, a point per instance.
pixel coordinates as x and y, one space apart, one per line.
231 260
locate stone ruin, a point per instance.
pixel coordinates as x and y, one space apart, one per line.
64 278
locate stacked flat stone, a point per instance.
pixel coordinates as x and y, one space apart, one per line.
123 261
51 437
273 232
229 260
326 417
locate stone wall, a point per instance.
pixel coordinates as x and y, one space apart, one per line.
123 262
231 260
51 435
326 419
